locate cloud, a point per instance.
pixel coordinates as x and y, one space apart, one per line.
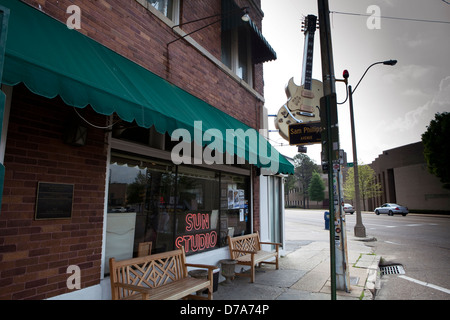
418 40
414 93
389 3
443 96
416 120
409 72
411 118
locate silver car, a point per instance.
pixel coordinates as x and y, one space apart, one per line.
391 209
348 208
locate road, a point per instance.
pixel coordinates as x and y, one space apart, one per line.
420 243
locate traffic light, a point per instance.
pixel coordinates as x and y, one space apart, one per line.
345 74
328 112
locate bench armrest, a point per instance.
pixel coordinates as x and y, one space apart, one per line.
273 243
201 266
142 290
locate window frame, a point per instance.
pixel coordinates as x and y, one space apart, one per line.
175 17
234 53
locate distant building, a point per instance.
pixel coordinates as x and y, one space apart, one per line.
405 179
298 197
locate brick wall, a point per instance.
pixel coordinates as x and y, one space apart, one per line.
128 28
35 254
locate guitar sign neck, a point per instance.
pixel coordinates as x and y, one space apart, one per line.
309 29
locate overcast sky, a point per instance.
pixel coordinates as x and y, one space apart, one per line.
392 105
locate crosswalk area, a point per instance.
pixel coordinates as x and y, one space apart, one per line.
372 226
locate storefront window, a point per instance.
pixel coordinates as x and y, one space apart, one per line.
174 206
148 189
234 203
197 209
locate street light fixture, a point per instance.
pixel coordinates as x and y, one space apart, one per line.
360 229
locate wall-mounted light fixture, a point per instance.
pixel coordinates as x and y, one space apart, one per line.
243 11
75 134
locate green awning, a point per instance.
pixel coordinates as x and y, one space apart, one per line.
261 49
52 60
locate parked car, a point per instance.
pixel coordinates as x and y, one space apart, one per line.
391 209
348 208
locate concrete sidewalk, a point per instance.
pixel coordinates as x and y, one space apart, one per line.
304 273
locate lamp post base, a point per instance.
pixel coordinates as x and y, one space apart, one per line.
360 231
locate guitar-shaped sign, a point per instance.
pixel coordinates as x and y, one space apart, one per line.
303 103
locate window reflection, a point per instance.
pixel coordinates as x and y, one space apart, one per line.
174 206
148 190
163 6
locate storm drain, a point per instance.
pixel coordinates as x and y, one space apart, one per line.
396 269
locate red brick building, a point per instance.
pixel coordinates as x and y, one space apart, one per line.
87 123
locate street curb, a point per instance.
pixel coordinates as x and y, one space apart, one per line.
373 282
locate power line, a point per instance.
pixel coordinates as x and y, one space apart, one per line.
392 18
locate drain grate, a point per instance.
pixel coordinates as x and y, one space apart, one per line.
396 269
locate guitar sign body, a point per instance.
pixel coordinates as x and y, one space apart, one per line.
303 103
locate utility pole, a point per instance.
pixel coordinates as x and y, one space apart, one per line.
330 154
360 230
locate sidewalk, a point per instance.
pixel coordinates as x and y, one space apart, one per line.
304 273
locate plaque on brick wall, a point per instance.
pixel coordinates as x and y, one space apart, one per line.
54 201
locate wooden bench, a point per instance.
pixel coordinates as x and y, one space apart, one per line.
145 249
162 276
246 250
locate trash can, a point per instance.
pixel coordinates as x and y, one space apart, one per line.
228 266
326 217
203 274
216 279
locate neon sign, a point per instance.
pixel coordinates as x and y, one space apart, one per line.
200 240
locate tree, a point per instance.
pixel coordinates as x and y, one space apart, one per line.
304 168
368 188
436 145
136 190
290 183
316 188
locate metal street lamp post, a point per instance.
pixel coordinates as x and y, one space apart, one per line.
360 229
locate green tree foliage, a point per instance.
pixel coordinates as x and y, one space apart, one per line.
136 190
316 188
368 188
290 183
304 168
436 144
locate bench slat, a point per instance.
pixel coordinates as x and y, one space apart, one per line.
171 291
259 257
157 277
